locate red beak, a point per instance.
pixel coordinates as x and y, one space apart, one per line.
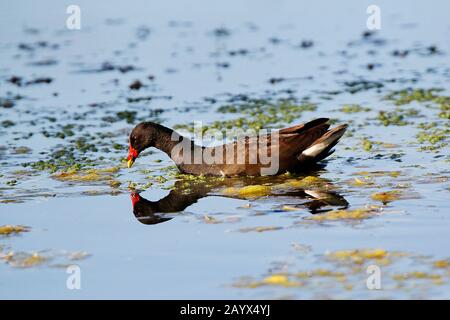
135 197
132 155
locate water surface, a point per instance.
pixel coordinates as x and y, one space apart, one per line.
192 60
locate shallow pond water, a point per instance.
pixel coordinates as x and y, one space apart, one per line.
69 98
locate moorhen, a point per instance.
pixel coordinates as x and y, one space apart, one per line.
292 149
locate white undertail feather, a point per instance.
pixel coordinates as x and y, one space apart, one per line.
324 142
315 150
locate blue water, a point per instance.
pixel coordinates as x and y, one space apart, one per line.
186 257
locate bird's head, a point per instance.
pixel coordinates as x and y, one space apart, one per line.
142 137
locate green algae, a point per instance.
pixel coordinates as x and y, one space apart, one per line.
397 117
72 157
90 175
54 165
445 112
429 96
258 114
248 192
433 136
406 96
367 144
353 108
433 139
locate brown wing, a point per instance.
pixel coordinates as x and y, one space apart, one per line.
304 126
251 154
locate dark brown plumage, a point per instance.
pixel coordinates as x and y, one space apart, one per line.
290 149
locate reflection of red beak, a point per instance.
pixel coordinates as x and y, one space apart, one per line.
135 197
132 155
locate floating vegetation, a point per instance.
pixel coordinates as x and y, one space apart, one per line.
367 144
278 280
376 147
414 275
11 182
340 276
57 164
42 258
397 117
362 182
252 191
355 214
24 260
361 85
188 179
361 256
209 219
445 112
433 139
21 150
393 174
10 229
78 255
258 114
434 136
348 270
442 264
406 96
290 208
353 108
387 196
90 175
309 182
259 229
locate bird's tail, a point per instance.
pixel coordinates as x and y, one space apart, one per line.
322 147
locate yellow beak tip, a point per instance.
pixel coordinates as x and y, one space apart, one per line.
130 163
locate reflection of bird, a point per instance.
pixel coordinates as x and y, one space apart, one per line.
152 212
184 194
146 211
291 149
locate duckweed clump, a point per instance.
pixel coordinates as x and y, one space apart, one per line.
433 136
353 108
387 196
406 96
356 214
397 117
367 144
248 192
278 280
258 114
10 229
